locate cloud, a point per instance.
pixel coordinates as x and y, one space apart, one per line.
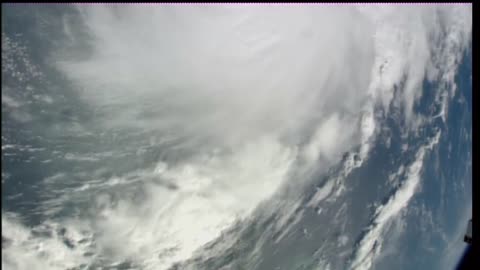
370 245
253 94
258 83
41 247
224 72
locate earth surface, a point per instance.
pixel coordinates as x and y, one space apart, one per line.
235 136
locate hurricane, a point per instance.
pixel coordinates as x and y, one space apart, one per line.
235 136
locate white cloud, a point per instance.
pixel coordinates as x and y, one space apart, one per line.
250 80
230 73
274 89
43 250
370 245
331 139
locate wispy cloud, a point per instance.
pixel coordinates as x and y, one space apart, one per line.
370 245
